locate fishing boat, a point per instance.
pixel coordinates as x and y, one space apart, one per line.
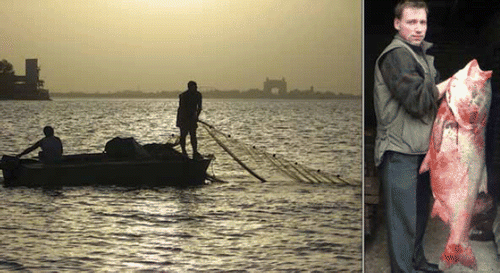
161 166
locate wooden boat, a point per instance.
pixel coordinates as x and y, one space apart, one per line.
163 166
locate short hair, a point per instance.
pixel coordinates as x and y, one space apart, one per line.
191 83
48 131
418 4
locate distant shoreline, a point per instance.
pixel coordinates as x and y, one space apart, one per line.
208 95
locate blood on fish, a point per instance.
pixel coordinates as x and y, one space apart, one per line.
456 158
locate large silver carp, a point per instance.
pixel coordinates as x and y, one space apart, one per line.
456 158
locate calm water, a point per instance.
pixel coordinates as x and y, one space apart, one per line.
241 225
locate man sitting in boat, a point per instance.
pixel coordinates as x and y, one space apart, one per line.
51 147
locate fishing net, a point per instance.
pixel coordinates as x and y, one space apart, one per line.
255 162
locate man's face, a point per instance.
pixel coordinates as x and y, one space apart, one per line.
412 26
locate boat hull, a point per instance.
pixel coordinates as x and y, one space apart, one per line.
98 169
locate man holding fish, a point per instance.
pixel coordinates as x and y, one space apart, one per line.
405 97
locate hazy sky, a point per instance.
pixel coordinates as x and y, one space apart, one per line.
153 45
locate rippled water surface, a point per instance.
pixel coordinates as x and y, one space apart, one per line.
241 225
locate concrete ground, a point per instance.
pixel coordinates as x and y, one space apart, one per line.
376 259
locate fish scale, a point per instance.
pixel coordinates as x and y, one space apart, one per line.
456 158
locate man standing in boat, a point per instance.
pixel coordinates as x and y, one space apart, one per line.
51 146
187 117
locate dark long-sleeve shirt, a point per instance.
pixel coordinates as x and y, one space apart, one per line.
406 82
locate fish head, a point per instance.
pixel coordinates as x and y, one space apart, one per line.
469 79
477 76
469 93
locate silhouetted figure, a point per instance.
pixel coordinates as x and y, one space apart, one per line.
51 147
187 117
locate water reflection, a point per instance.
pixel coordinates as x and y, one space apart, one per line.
280 225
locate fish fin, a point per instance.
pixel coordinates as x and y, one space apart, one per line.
443 87
425 164
438 127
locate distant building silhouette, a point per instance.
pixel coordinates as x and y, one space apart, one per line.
28 87
280 84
